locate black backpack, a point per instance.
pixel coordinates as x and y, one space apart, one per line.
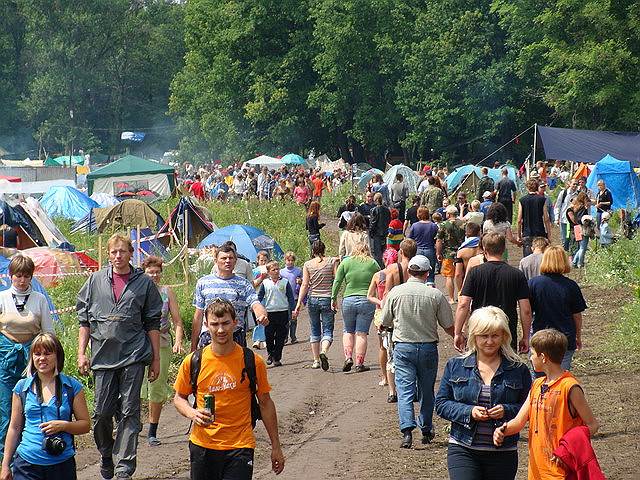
249 371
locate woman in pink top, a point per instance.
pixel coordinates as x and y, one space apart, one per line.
301 193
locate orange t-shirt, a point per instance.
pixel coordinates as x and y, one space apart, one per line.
318 185
221 375
549 420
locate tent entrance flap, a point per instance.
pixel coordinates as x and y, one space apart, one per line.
589 146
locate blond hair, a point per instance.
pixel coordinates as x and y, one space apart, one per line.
488 320
555 260
117 238
361 251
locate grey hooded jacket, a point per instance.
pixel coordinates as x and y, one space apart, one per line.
119 329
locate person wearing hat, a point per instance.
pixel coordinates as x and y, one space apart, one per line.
606 235
487 201
414 310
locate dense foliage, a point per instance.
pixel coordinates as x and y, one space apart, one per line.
358 78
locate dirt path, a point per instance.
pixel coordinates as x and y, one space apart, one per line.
337 425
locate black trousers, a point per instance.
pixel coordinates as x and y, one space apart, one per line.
276 333
467 464
508 204
209 464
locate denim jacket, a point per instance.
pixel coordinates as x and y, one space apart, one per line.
460 390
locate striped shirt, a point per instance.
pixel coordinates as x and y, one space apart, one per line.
320 277
237 290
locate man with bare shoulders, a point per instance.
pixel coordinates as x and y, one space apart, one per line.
398 273
467 250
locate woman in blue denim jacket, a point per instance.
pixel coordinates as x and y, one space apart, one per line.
479 391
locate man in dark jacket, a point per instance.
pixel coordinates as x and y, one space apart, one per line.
379 227
486 184
119 310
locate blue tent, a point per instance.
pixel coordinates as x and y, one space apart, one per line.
67 202
249 240
5 283
363 180
459 174
293 159
149 245
620 179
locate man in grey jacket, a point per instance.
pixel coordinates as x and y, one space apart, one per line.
119 310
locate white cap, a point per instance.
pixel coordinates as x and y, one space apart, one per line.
486 194
419 263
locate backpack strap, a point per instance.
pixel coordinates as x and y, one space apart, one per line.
194 372
249 371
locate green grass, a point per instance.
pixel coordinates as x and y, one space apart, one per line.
619 267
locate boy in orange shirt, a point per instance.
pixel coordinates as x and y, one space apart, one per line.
221 447
555 405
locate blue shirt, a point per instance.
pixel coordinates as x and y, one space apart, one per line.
30 447
484 207
424 233
554 299
292 274
237 290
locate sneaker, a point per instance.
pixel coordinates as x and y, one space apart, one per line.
324 361
392 398
362 368
107 468
348 363
256 345
269 360
293 340
316 364
277 363
154 442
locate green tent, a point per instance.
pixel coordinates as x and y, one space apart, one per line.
63 161
132 174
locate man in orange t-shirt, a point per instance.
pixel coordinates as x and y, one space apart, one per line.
318 186
222 447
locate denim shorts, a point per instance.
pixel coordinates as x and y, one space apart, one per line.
321 319
357 314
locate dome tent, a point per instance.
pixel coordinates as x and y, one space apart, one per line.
67 202
249 240
621 180
410 178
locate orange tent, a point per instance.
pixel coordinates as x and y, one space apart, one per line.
582 171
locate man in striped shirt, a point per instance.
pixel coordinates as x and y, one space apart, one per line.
225 285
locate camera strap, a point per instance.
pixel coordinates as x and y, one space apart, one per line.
19 306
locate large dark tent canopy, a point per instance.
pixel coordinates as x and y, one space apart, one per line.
589 146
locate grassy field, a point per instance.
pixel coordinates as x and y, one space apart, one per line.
284 221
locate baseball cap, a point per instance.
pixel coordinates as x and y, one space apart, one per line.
486 194
419 263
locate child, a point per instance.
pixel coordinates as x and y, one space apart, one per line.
259 274
276 295
294 275
606 236
44 407
555 405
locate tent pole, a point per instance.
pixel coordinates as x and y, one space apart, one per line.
139 245
186 245
535 144
99 252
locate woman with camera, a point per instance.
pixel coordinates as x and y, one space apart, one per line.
42 425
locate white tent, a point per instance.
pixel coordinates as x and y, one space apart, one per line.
271 163
410 177
104 199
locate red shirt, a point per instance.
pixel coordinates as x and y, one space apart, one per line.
198 190
118 284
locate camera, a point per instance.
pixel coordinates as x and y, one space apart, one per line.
54 445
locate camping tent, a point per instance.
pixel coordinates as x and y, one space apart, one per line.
132 174
410 178
248 239
104 199
126 214
197 222
67 202
459 174
469 185
366 176
264 161
293 159
582 171
5 283
50 262
620 179
34 228
150 245
64 161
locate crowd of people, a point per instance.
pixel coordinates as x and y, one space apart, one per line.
388 259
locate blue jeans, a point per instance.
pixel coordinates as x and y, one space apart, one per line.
259 334
416 368
321 319
565 236
579 257
357 314
430 253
